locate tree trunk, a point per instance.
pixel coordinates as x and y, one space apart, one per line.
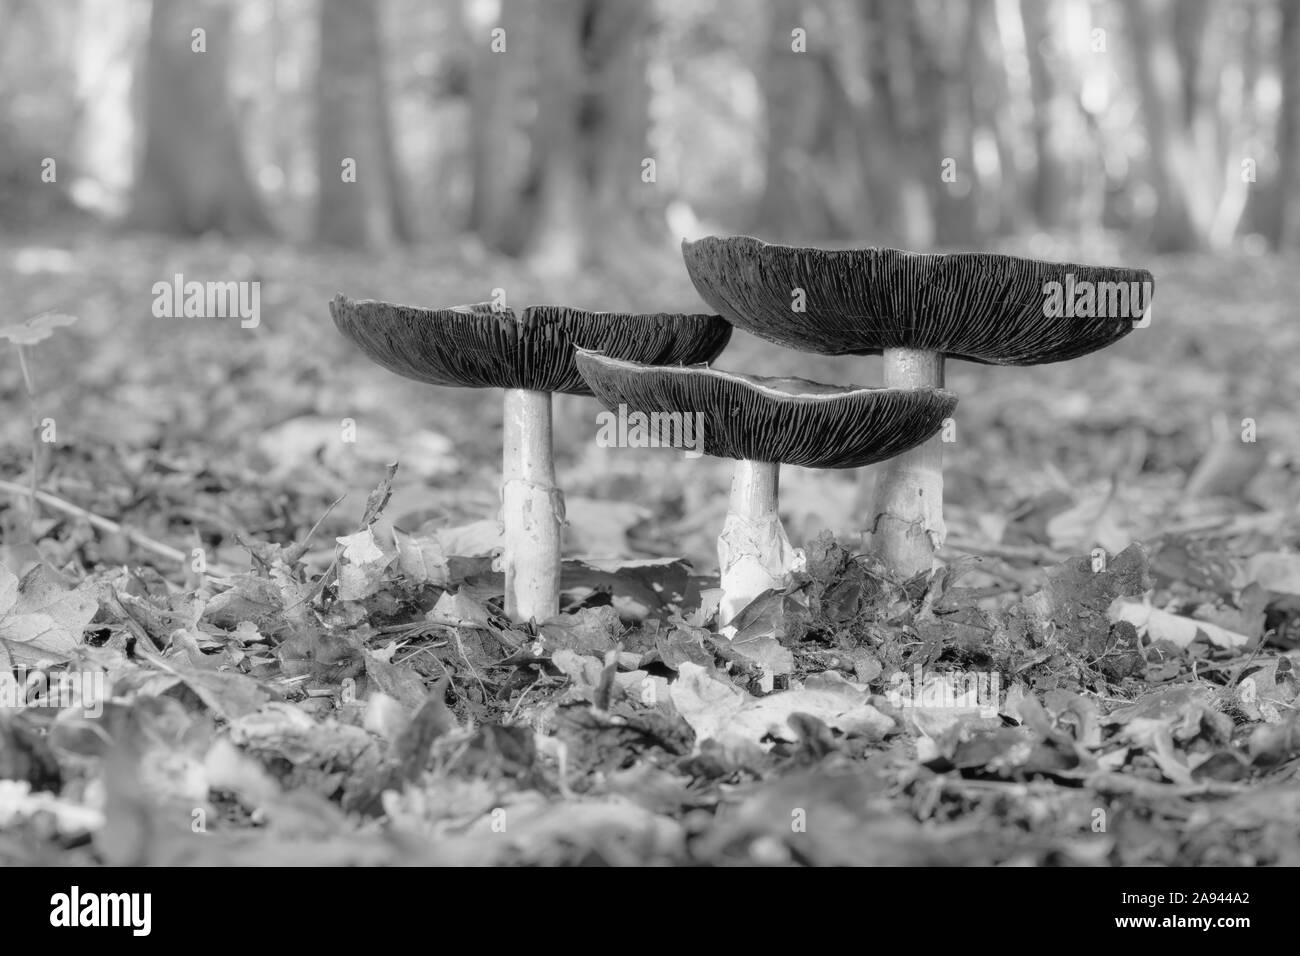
950 54
589 135
878 145
1190 18
796 88
498 84
909 101
1051 179
1288 128
1009 97
614 120
559 241
360 200
1159 79
192 178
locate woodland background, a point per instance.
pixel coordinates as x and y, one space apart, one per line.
1072 116
1151 133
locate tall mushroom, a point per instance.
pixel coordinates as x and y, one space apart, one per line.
530 355
916 310
762 423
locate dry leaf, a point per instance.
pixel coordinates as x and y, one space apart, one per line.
1180 631
362 565
40 618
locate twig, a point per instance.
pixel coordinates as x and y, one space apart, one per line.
104 524
1024 552
514 710
138 630
460 646
1229 525
36 424
296 551
1019 578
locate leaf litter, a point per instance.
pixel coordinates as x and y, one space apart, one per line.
382 710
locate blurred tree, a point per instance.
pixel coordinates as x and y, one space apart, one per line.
1051 154
558 239
802 94
1021 103
111 38
500 74
192 178
1169 105
870 126
1223 117
927 145
360 199
900 210
37 111
1287 233
589 135
995 133
947 57
614 118
538 147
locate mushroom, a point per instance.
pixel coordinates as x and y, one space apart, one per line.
916 310
530 355
762 423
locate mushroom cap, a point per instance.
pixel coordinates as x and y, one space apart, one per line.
787 420
978 306
477 346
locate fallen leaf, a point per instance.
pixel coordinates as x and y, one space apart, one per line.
377 500
1175 629
591 630
758 631
1100 519
398 681
469 540
422 559
41 619
1276 571
720 711
361 565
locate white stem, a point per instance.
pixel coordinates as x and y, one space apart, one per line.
907 520
532 509
754 554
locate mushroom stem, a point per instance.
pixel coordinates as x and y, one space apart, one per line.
907 521
532 508
754 554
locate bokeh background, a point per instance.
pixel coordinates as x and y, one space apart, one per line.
559 150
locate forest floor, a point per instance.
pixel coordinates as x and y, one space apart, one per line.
330 689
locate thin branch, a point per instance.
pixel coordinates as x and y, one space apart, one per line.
104 524
1015 552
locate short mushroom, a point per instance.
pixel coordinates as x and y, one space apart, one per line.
916 310
763 423
530 355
